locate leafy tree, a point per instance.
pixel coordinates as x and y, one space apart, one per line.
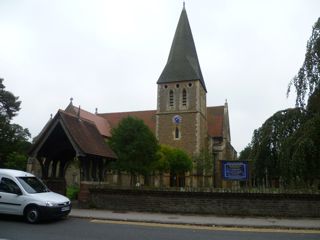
301 155
135 146
301 151
172 160
204 162
287 146
9 104
164 155
16 161
245 153
204 166
13 138
308 78
313 106
180 162
267 142
163 163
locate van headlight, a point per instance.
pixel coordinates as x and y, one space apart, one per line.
50 204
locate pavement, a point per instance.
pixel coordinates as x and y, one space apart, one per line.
199 220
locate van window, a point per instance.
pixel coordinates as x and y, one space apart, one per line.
32 185
8 186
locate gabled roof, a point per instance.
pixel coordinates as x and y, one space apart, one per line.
82 134
86 135
215 119
148 117
183 63
101 123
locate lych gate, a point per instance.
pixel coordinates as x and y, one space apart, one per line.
68 138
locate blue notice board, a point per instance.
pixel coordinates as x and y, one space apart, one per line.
235 170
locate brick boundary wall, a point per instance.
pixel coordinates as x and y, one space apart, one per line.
224 204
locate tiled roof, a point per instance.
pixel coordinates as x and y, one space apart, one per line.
82 134
215 118
101 123
106 121
86 135
148 117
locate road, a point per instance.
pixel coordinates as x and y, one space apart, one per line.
75 228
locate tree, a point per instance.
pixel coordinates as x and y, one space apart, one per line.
163 163
267 143
204 166
302 148
313 106
172 160
245 153
180 162
308 78
17 161
301 155
287 146
9 104
135 146
13 137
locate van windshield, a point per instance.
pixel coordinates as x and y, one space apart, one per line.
32 185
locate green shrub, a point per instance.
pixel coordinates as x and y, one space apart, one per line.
72 192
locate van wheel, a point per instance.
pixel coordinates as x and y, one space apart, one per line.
32 214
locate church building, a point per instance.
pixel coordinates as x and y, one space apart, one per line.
182 120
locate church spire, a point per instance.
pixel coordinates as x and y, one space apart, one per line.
183 63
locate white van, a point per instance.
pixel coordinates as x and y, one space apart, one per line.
22 193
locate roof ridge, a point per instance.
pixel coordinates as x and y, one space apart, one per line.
127 112
75 116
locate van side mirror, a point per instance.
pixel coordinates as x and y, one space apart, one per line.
17 191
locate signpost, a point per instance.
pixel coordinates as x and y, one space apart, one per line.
235 170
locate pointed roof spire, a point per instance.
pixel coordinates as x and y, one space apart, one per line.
183 63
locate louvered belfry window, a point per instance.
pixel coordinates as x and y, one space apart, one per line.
184 97
171 98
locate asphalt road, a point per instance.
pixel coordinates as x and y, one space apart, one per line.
75 228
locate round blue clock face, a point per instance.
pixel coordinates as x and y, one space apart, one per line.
177 119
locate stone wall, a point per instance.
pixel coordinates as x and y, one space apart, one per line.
193 126
240 204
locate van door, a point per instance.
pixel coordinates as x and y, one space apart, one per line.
11 199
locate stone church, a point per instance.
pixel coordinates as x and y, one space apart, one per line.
72 145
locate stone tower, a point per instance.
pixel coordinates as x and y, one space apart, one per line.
181 118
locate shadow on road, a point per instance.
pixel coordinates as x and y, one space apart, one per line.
17 219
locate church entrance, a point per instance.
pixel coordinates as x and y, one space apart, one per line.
177 180
67 140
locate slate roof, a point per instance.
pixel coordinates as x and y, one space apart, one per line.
183 63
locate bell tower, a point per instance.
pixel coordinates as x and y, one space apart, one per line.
181 119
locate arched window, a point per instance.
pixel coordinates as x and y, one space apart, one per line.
184 97
171 98
177 133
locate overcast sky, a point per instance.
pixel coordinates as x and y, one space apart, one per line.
109 54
